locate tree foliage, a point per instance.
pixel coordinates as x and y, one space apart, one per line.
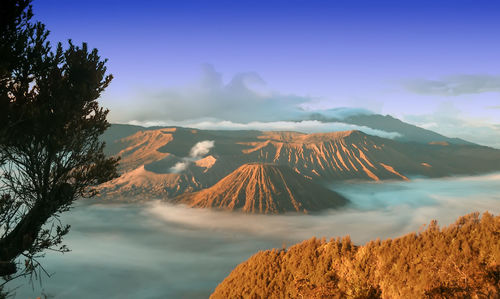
458 261
50 123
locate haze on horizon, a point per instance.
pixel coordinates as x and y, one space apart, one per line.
230 63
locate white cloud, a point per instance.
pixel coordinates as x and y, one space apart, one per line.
381 210
179 167
337 114
194 249
455 85
201 148
305 126
244 98
245 102
451 122
197 152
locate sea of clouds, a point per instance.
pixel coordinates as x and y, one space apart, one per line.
159 250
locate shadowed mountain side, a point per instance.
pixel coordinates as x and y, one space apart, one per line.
408 132
459 261
226 142
264 188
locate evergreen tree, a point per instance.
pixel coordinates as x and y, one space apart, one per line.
50 123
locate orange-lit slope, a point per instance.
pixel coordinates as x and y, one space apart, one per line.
140 184
318 157
458 261
142 147
342 155
264 188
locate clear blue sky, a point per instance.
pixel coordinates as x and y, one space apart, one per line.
432 63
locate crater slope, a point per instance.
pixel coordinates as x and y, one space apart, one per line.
150 156
264 188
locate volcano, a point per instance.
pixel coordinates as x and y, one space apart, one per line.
264 188
149 156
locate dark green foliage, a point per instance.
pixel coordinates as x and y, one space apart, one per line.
459 261
50 123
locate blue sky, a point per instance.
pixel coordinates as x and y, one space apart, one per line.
432 63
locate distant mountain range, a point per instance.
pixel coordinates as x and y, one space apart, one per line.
408 132
267 166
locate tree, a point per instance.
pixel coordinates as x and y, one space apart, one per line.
50 123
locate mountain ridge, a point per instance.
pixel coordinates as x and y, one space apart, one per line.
388 123
319 157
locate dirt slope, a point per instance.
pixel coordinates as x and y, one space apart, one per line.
264 188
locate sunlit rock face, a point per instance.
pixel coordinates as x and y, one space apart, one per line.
339 155
140 184
164 163
264 188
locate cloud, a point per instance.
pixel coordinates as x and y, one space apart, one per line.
493 107
337 113
305 126
170 251
244 98
179 167
381 210
201 148
455 85
243 103
197 152
450 121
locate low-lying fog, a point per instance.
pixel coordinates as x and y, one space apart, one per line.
162 251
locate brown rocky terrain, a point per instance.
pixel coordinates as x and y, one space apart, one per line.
336 155
140 184
142 147
150 154
264 188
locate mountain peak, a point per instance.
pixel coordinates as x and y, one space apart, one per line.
264 188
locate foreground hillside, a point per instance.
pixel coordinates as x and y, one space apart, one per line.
264 188
459 261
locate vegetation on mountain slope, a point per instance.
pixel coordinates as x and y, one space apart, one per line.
458 261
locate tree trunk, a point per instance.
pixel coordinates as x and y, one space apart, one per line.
23 236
